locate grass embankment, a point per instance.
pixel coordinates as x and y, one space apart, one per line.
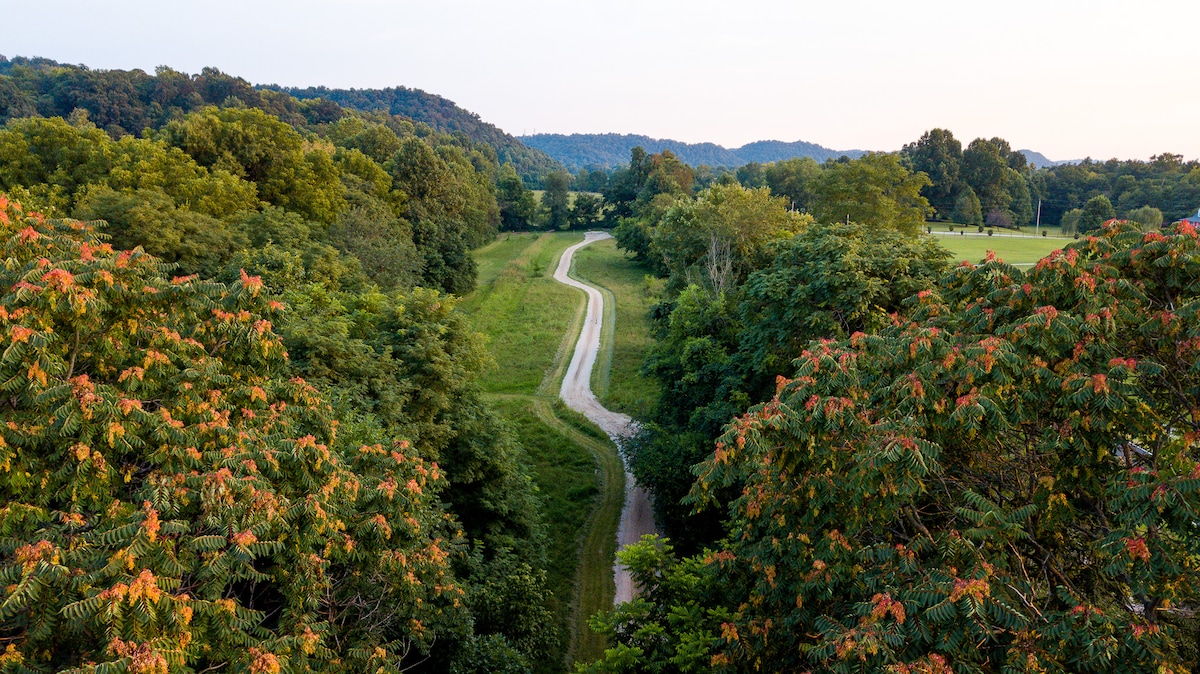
628 296
531 322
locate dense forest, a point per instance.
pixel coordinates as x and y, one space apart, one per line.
866 459
611 150
443 115
242 430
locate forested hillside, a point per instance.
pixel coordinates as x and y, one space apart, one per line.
610 150
243 425
442 115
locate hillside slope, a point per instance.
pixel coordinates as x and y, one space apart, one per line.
608 150
440 113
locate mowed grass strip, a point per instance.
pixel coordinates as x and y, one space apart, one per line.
617 379
520 308
1011 249
566 476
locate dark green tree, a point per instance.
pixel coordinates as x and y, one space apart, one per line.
587 210
556 200
1096 212
938 154
518 207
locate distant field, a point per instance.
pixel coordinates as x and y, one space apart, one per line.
617 379
1051 230
1011 249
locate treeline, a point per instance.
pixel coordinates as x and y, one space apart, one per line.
869 460
988 181
440 114
242 429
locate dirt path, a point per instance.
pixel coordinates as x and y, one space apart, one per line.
636 516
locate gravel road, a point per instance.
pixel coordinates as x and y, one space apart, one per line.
636 516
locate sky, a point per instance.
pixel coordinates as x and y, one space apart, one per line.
1067 78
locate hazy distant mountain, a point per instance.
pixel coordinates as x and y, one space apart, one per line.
1040 160
608 150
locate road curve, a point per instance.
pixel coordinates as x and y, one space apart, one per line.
636 516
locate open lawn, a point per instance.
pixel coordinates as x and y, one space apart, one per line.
628 298
1015 250
1052 231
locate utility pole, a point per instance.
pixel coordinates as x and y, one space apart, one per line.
1039 218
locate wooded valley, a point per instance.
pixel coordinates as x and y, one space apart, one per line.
278 371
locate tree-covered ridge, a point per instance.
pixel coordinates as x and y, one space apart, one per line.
611 150
440 114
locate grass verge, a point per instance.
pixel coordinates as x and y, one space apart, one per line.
617 380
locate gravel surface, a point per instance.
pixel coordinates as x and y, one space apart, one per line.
636 517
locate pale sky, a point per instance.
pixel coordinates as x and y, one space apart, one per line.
1068 78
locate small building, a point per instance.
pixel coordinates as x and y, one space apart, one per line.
1193 220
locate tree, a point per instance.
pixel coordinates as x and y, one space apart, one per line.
177 499
1006 477
587 210
1070 221
752 175
937 154
985 169
556 200
742 221
1096 212
793 179
518 208
148 217
1148 217
873 190
266 151
967 208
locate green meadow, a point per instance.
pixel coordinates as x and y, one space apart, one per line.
530 323
1018 250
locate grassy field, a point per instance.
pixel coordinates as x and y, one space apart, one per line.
566 478
530 322
1011 249
628 298
522 310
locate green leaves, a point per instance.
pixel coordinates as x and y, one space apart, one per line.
172 493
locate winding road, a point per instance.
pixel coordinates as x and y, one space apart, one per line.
636 516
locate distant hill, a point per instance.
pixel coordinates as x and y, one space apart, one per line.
1040 160
128 101
608 150
440 113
